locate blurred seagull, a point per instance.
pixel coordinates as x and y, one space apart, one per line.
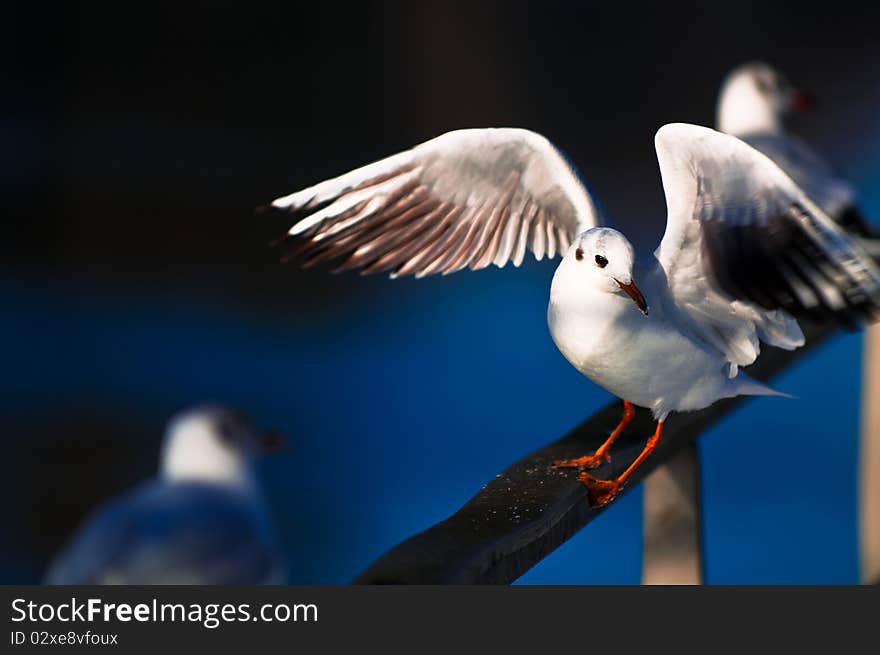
673 342
753 103
202 521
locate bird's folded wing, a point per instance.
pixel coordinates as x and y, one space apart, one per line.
468 198
170 534
739 228
807 170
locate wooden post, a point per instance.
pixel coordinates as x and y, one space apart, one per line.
869 461
672 540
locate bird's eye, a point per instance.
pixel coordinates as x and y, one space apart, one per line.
226 431
765 84
601 262
579 254
230 426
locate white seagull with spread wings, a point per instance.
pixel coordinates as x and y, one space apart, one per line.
674 341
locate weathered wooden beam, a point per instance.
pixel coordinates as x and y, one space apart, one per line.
527 511
869 461
672 548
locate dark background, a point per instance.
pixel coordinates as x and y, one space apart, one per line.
136 279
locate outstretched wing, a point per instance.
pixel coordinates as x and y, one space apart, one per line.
468 198
738 227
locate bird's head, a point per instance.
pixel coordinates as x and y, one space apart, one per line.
213 443
755 97
600 259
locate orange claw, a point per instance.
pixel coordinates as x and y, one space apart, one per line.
585 462
602 492
603 452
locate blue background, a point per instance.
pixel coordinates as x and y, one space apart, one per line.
140 283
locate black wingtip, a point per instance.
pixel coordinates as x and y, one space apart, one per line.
853 220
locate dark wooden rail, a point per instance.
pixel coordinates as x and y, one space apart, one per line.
529 510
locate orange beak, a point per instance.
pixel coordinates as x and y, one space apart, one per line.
635 293
272 442
802 100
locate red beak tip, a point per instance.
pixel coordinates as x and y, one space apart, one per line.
273 443
803 101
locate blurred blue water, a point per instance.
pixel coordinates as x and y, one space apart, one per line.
401 413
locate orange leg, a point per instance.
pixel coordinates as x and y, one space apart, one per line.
603 492
602 454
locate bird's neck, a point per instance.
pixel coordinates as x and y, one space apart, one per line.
580 318
193 460
744 111
238 477
570 294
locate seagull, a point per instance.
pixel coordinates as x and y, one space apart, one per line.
201 521
659 333
753 103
